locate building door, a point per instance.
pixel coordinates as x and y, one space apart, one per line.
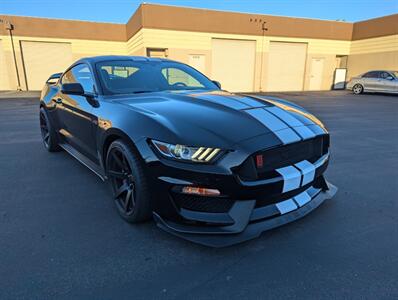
233 64
316 74
197 61
4 77
42 59
286 66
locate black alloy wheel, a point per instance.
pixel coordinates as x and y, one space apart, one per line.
126 175
48 134
45 132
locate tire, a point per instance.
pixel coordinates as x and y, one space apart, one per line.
357 89
48 134
129 182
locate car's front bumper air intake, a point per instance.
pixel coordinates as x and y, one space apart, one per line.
245 220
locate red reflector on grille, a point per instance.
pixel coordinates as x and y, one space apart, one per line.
259 161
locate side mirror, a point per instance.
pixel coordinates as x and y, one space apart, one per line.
217 83
53 79
72 89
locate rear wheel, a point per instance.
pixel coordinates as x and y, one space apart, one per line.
48 133
129 182
357 89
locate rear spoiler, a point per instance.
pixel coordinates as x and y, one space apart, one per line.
53 78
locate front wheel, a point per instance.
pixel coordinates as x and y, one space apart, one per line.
129 182
48 133
357 89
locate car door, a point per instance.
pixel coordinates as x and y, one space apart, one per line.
75 113
372 81
390 83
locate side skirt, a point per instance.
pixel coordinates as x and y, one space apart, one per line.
84 160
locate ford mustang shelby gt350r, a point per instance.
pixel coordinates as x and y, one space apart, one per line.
210 166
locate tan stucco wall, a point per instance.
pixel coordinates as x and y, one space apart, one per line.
181 44
375 53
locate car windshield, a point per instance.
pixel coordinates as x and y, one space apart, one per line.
128 76
395 73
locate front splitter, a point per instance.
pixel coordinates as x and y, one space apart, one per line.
252 230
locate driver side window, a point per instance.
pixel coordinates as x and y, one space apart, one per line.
372 74
385 75
80 74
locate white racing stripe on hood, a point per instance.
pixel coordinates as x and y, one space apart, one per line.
252 102
226 101
290 120
279 128
287 136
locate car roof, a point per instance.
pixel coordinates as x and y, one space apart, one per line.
380 71
95 59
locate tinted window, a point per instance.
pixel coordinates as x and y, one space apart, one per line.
384 75
80 74
128 76
373 74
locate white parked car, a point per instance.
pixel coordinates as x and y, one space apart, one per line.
375 81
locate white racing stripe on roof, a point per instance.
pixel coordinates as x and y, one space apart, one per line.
308 171
302 199
279 128
291 178
286 206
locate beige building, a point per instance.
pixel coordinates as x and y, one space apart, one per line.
245 52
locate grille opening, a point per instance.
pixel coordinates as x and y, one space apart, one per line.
283 156
202 203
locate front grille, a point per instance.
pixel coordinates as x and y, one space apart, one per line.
283 156
202 204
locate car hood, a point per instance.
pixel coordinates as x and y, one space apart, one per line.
209 118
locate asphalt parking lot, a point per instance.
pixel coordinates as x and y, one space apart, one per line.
60 236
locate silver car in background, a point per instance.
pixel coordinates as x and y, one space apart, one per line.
375 81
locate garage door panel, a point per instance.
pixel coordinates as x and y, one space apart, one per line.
4 76
233 64
286 66
41 59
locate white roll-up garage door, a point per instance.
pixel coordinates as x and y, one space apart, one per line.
286 66
41 59
4 77
233 64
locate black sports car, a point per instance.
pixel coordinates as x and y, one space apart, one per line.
212 167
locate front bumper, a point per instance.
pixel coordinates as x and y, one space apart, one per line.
246 208
250 222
